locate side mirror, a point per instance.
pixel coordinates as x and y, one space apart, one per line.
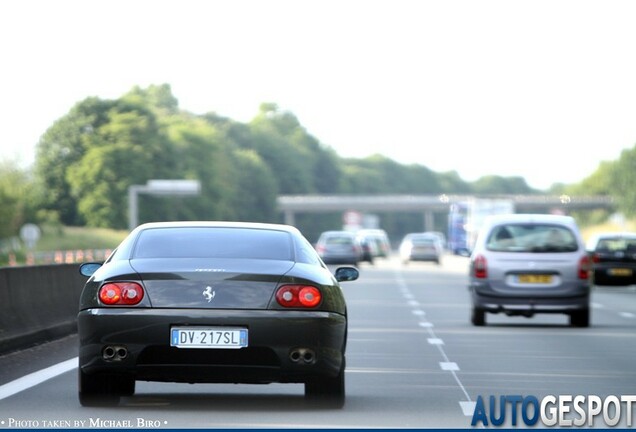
88 269
346 274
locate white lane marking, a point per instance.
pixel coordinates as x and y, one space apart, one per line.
627 315
449 366
468 407
418 312
414 303
596 305
31 380
435 341
405 289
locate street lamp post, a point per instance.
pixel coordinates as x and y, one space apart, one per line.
158 187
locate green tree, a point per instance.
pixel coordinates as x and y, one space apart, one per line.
17 199
254 188
128 149
621 178
62 146
494 184
275 140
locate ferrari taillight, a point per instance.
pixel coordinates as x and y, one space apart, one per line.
298 296
121 293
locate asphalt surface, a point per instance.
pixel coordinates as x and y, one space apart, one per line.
413 361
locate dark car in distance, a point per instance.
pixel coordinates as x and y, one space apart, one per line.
340 247
613 258
212 302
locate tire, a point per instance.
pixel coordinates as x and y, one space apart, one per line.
478 317
580 318
327 391
103 390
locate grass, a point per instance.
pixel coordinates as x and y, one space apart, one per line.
70 238
609 226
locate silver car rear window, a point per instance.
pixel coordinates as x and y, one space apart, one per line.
205 242
339 240
535 237
422 241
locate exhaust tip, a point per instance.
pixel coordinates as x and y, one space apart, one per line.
122 353
108 353
308 356
114 353
304 355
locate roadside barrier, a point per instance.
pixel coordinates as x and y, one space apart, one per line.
61 257
38 303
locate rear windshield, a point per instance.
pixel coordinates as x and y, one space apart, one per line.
206 242
531 238
423 241
339 240
616 244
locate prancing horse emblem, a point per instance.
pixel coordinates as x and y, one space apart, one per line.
209 294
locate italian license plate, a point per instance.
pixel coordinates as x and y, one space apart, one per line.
208 337
534 278
620 272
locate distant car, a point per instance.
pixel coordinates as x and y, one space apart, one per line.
441 235
370 249
524 264
613 258
339 247
421 247
380 238
212 302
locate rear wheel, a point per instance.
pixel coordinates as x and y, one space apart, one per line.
478 316
329 391
580 318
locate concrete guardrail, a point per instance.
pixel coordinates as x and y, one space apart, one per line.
38 303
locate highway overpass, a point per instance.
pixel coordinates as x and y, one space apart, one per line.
428 205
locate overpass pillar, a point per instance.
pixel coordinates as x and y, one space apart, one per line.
429 220
290 218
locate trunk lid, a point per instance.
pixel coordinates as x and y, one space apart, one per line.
210 283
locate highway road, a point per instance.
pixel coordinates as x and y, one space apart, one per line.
413 361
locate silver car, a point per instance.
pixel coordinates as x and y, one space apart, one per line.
524 264
421 247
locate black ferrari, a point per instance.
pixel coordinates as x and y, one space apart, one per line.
212 302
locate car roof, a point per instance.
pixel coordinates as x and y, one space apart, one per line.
530 218
218 224
372 231
338 233
421 235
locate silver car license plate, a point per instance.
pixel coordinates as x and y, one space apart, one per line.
208 337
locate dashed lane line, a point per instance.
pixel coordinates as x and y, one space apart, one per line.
467 406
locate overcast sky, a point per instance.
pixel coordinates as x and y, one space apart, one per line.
543 89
